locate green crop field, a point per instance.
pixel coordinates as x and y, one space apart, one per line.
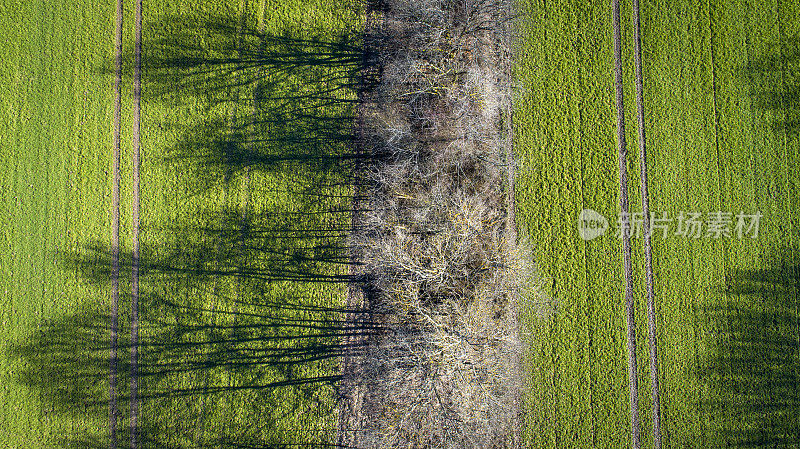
721 83
246 117
54 138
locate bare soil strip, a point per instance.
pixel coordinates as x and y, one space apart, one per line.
113 411
137 97
651 310
626 241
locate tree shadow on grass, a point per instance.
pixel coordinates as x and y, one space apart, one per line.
775 82
271 102
234 347
755 365
242 311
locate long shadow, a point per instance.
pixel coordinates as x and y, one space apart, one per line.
252 248
228 329
775 81
242 308
288 100
754 369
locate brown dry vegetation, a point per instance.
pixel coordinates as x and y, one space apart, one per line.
440 258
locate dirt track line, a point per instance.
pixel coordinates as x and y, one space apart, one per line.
630 320
113 410
648 254
137 108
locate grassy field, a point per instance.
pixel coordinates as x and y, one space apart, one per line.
721 83
246 117
55 138
246 123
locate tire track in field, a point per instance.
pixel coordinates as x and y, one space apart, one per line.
648 254
137 108
113 410
630 320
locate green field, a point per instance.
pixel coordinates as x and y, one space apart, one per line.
247 115
247 109
721 97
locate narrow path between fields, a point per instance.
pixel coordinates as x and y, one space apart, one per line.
648 254
630 320
137 100
115 181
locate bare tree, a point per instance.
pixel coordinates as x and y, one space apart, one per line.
437 250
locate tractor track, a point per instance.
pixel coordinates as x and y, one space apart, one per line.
630 319
648 253
113 410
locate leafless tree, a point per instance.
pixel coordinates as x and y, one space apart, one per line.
436 245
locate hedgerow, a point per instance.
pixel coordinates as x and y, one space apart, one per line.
438 248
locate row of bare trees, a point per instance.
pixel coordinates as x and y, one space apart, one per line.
440 256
